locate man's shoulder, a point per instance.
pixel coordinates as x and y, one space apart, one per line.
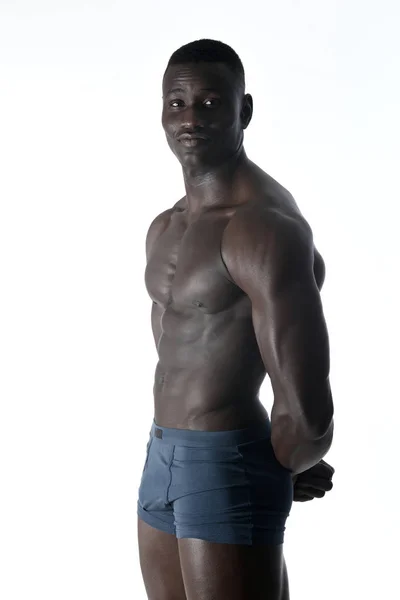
268 227
180 205
265 197
272 212
160 223
266 235
163 218
157 226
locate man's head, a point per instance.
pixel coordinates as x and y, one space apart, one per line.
204 95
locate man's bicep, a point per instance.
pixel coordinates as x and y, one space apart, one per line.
292 336
291 332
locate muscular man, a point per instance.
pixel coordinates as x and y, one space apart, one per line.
235 281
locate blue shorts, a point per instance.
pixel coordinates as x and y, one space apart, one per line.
219 486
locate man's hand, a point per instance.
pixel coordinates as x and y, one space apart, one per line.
313 483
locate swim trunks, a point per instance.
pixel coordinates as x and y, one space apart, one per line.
219 486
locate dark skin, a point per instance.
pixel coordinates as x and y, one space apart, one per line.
209 328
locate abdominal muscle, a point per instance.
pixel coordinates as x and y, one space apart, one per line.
212 384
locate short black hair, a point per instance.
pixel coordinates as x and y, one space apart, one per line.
212 51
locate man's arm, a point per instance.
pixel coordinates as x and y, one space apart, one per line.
270 256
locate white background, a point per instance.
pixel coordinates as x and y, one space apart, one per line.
84 169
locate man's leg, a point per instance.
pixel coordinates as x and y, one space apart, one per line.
235 571
285 583
158 546
159 562
231 499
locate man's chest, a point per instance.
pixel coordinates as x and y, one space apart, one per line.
186 269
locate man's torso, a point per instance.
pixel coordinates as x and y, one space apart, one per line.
210 369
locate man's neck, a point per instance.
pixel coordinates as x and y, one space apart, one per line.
215 187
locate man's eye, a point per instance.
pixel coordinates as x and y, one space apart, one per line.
212 102
175 103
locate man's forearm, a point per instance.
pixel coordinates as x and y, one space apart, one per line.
296 451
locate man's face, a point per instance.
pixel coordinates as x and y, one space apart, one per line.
205 100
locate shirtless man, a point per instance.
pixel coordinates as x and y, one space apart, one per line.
235 281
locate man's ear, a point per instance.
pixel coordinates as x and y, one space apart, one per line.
247 110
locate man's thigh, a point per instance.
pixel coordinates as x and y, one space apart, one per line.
159 562
235 571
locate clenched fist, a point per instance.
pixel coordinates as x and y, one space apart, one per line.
313 483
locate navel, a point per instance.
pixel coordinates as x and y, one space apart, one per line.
198 303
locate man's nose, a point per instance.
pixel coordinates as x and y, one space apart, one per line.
193 117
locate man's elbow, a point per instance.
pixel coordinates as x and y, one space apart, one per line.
325 427
317 424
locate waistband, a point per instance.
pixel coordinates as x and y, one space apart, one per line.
189 437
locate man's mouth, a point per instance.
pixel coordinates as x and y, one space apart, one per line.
192 139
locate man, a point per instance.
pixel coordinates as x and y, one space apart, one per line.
235 279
